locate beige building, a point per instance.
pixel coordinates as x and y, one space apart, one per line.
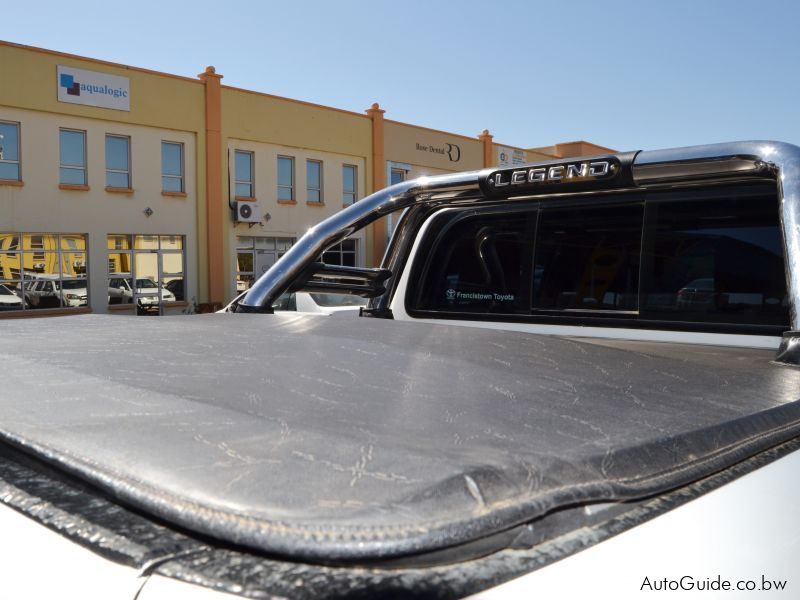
131 191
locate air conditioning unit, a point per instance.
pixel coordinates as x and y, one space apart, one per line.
247 212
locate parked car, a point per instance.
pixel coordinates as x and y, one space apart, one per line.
55 293
10 300
148 294
175 286
73 292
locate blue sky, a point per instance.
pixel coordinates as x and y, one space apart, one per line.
628 75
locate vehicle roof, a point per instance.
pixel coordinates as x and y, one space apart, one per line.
358 439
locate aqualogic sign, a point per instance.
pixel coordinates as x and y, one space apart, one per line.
90 88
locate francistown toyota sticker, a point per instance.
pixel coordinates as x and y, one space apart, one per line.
535 176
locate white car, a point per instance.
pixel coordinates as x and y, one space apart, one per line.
9 300
147 292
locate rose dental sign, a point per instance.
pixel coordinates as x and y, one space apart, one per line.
90 88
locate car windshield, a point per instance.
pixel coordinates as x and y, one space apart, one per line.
145 283
5 291
75 284
338 300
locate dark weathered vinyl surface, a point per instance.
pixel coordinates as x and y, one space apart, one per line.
337 438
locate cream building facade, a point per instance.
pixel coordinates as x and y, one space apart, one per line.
136 192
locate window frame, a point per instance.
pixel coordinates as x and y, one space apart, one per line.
339 251
53 248
255 246
182 177
131 251
318 189
237 181
441 223
84 168
291 187
18 161
126 172
354 191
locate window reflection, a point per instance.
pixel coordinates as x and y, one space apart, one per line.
255 255
11 296
717 262
43 271
148 273
588 258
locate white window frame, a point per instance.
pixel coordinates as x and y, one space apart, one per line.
83 168
17 162
354 191
127 172
252 181
290 187
319 189
182 175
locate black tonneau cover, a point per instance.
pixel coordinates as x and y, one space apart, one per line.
335 438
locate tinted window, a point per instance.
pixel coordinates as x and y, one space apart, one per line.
588 258
701 259
715 261
482 265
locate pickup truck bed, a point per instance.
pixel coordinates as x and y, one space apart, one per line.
262 431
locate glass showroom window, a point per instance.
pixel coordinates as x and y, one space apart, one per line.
9 152
285 178
118 161
314 180
172 167
42 270
72 148
243 174
254 255
146 271
349 190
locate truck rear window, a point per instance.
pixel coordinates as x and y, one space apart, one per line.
695 258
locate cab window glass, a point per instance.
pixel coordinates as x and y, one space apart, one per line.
588 258
482 265
715 260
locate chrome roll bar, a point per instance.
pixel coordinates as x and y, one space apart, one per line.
774 159
337 227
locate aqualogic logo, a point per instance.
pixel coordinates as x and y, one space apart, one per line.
78 86
74 88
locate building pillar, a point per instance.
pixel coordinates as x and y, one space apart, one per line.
375 113
214 196
488 148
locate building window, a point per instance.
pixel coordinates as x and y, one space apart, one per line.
172 167
344 254
9 152
72 170
349 186
285 178
397 176
254 255
314 180
243 174
118 161
42 270
146 271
